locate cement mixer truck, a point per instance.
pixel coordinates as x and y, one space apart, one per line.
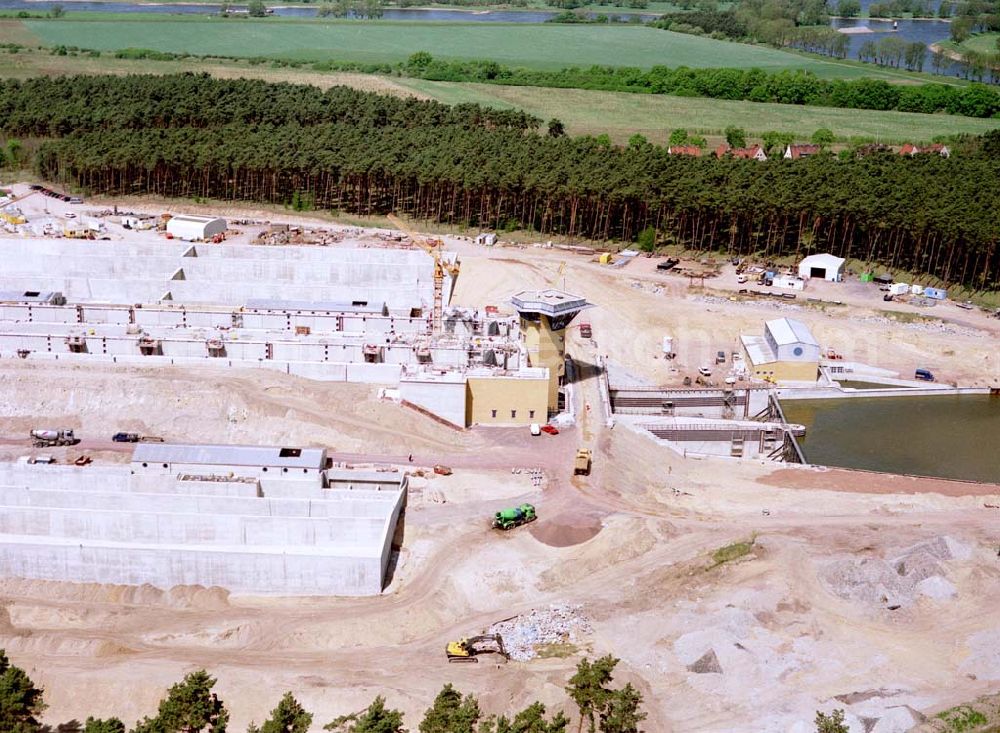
515 517
48 438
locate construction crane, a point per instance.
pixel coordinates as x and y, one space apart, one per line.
433 248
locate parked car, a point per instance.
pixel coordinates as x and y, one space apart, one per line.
720 357
550 429
586 331
535 428
705 371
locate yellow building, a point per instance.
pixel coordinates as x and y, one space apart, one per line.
544 316
787 352
483 396
514 398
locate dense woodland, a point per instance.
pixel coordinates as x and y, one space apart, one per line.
368 154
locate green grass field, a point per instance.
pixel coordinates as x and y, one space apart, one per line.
544 46
981 42
621 115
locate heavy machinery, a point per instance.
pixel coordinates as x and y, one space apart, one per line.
581 464
48 438
433 248
514 517
467 650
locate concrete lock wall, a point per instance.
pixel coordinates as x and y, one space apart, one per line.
106 525
134 272
237 571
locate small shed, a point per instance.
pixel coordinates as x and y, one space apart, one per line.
487 239
935 293
824 266
789 283
192 228
899 289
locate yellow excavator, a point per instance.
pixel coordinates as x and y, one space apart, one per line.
433 248
467 650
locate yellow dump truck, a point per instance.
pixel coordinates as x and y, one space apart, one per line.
581 465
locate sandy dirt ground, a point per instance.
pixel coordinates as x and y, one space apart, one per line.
881 602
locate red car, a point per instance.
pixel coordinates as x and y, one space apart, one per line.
585 330
550 429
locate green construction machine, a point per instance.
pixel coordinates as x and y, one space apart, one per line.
515 517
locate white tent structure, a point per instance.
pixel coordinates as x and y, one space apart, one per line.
192 228
823 266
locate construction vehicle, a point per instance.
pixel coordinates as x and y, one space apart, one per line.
467 650
442 470
49 438
514 517
126 437
433 248
581 464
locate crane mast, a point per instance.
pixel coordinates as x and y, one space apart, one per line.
433 248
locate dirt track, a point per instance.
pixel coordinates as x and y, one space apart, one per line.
631 543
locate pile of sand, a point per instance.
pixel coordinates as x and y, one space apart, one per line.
916 571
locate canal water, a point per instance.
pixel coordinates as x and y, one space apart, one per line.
946 436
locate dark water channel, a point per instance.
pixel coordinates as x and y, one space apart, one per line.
947 436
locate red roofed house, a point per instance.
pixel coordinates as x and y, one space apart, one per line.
755 152
693 150
911 150
794 152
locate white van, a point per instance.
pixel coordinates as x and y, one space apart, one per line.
536 429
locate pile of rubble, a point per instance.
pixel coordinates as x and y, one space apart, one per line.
559 624
917 571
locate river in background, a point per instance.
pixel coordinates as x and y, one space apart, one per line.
947 436
909 31
302 11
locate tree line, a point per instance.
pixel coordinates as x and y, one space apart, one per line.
755 85
56 106
359 152
191 706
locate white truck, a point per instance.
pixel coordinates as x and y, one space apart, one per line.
47 438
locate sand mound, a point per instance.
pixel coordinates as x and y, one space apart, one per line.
188 596
916 571
708 663
567 529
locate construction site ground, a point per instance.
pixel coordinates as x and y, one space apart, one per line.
875 594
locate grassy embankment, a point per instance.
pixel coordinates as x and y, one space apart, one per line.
584 112
984 43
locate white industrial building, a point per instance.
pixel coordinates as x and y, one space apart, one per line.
248 461
191 228
787 352
222 523
822 266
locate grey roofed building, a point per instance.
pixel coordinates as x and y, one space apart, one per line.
789 331
230 455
